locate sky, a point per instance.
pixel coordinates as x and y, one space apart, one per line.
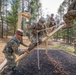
50 6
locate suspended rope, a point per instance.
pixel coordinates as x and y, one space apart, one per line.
38 53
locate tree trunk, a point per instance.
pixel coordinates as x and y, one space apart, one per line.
22 11
67 40
0 7
6 23
2 27
14 31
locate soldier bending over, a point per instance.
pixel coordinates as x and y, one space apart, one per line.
36 34
70 16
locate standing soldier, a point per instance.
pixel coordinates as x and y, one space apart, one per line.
36 34
52 20
11 49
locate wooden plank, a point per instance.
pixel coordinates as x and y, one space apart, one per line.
26 15
44 39
52 33
20 15
19 20
46 43
3 64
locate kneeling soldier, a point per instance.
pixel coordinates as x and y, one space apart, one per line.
11 49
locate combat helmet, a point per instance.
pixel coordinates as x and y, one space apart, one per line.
42 20
20 32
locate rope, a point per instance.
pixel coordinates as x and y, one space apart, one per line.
38 54
38 49
50 27
47 28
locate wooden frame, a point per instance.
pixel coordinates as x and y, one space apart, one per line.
20 15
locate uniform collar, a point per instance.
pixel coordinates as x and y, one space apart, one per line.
17 39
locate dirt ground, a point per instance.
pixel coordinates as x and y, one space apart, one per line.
67 63
55 62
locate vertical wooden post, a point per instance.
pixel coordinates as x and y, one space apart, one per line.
46 43
20 15
19 20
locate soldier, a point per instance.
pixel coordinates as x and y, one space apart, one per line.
52 20
36 34
11 48
70 16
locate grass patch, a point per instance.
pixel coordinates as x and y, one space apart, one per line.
65 48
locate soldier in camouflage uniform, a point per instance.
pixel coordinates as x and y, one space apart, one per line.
52 20
70 16
36 34
11 49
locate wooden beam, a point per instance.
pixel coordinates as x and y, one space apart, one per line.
2 65
52 33
46 43
19 20
26 15
20 15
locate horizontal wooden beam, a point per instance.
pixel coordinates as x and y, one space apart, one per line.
20 15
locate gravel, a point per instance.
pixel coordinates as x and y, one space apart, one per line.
56 62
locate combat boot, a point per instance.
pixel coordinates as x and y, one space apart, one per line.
3 73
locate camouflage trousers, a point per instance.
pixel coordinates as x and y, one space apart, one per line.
34 40
11 64
70 16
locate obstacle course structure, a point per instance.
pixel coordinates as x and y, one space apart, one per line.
27 15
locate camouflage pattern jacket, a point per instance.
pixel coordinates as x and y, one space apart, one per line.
12 46
72 6
34 27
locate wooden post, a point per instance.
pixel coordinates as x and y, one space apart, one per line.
46 43
20 15
2 65
53 32
19 20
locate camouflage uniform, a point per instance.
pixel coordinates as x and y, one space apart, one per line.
10 50
52 21
35 35
71 13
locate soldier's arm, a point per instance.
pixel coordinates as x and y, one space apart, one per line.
22 43
33 28
54 21
45 31
72 5
15 48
